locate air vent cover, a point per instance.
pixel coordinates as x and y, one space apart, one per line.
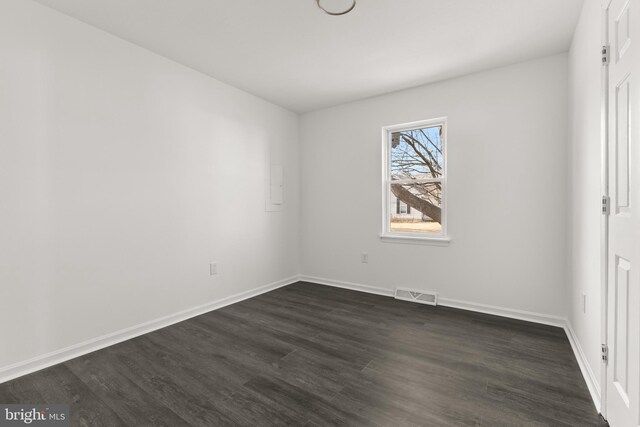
421 297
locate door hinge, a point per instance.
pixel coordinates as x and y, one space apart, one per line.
605 205
605 353
605 55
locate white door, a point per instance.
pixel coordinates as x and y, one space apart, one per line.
623 369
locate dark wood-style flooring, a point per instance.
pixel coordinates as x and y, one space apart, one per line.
310 355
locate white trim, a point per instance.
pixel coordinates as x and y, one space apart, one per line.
416 125
528 316
604 222
415 240
589 377
418 181
349 285
545 319
386 177
37 363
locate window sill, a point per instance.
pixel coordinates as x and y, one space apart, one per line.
415 240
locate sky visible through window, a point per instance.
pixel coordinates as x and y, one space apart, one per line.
417 153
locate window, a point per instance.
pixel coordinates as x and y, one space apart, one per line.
402 208
414 181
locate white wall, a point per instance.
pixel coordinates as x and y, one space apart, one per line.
122 175
507 189
584 183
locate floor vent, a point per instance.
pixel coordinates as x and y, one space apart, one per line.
422 297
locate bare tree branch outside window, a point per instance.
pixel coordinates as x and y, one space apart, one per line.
417 169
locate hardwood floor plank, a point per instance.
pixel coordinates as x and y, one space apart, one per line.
58 385
193 391
20 390
301 401
132 404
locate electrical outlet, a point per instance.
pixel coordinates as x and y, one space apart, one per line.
584 303
213 268
364 258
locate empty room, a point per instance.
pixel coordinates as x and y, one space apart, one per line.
320 213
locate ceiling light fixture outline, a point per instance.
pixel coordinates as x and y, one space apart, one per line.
353 5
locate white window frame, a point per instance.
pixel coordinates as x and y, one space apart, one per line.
440 239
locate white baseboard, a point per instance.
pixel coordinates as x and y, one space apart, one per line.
348 285
528 316
37 363
589 377
545 319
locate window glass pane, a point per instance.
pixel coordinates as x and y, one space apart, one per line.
417 153
423 208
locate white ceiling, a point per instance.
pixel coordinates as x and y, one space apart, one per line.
292 54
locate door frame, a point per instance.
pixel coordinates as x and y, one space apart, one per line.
604 222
